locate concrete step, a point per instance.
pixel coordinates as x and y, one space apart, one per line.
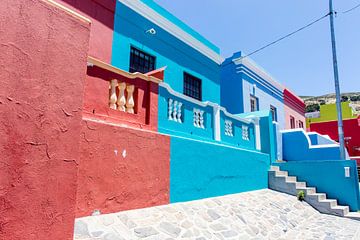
317 196
300 185
307 190
341 210
282 182
281 173
289 179
329 202
274 168
353 215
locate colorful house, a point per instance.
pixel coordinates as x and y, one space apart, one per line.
246 87
325 122
147 37
129 112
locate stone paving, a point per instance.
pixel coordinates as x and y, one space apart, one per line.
263 214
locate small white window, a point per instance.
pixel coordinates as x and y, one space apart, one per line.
253 104
273 113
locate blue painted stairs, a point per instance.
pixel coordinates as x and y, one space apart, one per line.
282 182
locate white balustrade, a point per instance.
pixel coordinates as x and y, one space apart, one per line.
130 99
113 97
245 133
229 128
174 110
198 118
120 102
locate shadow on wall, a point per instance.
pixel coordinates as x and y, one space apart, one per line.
301 146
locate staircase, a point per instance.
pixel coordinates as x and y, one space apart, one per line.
282 182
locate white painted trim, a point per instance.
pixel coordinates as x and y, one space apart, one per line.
172 28
68 10
216 144
259 71
308 139
203 104
257 134
217 127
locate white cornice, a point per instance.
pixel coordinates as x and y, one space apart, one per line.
246 61
172 28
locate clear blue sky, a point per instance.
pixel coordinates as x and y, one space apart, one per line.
302 62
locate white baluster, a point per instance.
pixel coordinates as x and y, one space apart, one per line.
170 109
121 99
130 99
113 98
174 113
245 132
179 112
196 118
201 119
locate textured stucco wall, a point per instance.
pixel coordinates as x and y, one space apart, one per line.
121 169
102 14
96 100
42 72
201 170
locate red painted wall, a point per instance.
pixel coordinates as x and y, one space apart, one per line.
351 131
294 102
101 13
42 72
110 182
96 100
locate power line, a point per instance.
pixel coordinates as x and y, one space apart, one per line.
286 36
351 9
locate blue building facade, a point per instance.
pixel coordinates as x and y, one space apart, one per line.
150 31
246 87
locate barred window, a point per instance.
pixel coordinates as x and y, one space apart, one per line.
253 103
192 86
141 61
273 113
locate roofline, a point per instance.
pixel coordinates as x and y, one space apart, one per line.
153 16
249 63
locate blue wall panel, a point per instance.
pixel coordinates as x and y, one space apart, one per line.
297 147
328 177
130 30
201 170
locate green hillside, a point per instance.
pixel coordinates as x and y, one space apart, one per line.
328 113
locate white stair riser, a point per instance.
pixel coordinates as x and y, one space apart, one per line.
280 181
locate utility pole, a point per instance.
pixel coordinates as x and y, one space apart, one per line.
337 87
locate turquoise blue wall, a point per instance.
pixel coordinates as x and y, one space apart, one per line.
328 177
186 128
296 148
129 30
267 133
201 170
231 88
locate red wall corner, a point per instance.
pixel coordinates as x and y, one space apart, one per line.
42 71
121 169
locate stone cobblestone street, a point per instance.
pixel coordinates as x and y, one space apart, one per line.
263 214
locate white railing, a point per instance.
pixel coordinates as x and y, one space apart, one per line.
118 99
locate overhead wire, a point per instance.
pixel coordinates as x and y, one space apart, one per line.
286 36
351 9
